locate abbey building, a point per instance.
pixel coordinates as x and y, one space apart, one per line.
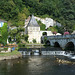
33 30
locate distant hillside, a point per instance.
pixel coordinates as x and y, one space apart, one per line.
15 11
62 11
49 22
3 34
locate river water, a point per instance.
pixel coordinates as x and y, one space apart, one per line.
36 65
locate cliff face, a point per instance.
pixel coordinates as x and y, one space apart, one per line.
48 22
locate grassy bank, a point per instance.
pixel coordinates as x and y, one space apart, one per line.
10 53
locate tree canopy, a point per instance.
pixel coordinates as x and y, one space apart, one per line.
15 11
4 34
62 11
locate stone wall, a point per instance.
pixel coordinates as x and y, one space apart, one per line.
34 33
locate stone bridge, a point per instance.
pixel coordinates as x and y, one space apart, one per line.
63 41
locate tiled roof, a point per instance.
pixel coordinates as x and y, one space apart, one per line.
33 22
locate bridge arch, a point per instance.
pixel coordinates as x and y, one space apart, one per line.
48 43
69 46
56 44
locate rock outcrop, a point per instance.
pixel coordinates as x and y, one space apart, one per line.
48 22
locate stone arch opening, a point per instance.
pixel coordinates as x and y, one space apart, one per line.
48 43
44 33
69 46
56 44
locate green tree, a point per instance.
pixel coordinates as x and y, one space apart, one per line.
4 34
26 37
42 26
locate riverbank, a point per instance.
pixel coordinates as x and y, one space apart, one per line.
11 55
63 61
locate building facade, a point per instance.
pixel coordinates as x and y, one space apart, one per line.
33 30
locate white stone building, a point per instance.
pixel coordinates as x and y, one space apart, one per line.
33 30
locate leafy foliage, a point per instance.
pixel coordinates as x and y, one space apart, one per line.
26 38
44 33
34 40
21 45
42 26
4 34
13 11
62 11
53 29
16 11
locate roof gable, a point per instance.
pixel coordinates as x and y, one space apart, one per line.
33 22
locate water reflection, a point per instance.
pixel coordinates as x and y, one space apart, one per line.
36 65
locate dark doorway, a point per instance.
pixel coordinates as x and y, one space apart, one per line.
44 33
56 44
48 43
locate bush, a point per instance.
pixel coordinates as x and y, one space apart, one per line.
21 45
26 37
4 34
34 40
42 26
45 39
66 33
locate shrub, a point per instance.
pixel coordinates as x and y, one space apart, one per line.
66 33
55 32
42 26
34 40
21 45
45 39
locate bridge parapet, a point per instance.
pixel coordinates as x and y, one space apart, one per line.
61 37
